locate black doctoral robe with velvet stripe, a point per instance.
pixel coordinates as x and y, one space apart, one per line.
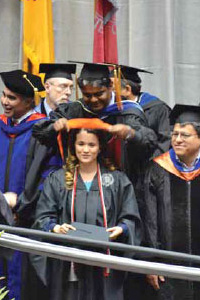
121 207
172 210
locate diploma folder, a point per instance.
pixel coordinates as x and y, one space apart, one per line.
89 231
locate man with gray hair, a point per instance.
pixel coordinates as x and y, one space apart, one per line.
58 85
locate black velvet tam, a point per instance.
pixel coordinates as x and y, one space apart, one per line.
22 83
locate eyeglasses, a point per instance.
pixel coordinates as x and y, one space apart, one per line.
62 87
182 135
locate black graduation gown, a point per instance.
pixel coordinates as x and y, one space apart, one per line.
171 221
121 206
157 114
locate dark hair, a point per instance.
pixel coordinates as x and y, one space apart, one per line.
94 82
194 124
102 138
30 100
72 161
135 87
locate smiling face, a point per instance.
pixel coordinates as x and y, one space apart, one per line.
58 90
86 147
14 105
185 142
97 98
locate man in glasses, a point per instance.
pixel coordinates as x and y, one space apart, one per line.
172 205
58 85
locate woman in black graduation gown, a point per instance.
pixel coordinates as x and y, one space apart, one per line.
88 190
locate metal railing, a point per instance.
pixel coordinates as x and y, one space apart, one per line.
67 239
96 258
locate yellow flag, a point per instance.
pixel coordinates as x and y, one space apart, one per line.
38 40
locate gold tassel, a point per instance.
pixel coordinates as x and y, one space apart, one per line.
117 85
36 93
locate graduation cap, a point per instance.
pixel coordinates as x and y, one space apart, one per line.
101 72
93 71
130 73
89 231
22 83
185 113
57 70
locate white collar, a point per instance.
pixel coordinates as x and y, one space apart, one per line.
112 99
48 109
190 168
19 120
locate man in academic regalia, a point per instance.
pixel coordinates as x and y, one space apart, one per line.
99 101
24 162
172 205
156 111
58 85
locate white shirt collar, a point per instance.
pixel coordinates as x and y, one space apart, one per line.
112 99
19 120
192 167
48 109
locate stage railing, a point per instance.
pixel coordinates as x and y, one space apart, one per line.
67 239
98 259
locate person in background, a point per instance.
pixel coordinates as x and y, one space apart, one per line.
24 161
156 111
172 204
157 115
58 85
88 190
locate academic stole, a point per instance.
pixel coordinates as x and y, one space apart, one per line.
106 271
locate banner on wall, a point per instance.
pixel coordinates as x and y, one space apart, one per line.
38 39
105 31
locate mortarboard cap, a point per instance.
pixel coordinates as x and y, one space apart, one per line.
89 231
93 71
131 73
185 113
22 83
57 70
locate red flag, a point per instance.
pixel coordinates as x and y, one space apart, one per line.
105 32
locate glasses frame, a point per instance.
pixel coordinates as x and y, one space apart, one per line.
183 135
62 89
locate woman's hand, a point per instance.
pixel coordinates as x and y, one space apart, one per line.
154 280
116 231
11 198
60 124
64 228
